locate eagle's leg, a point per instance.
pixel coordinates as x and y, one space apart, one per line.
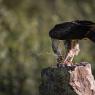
57 50
72 47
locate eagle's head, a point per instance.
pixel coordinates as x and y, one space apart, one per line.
60 31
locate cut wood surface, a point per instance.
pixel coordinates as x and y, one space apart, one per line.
75 80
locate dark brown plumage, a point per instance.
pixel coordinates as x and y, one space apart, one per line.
78 29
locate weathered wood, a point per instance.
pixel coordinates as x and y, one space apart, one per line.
76 80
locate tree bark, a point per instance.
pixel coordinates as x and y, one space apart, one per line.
74 80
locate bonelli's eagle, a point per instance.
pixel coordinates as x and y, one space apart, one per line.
71 32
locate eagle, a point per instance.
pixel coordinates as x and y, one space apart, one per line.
70 33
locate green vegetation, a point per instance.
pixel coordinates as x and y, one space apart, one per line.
25 47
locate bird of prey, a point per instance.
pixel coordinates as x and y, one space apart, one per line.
70 33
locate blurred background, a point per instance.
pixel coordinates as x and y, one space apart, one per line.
25 46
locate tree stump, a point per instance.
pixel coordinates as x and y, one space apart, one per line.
76 80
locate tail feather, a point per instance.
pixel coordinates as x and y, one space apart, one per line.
92 39
92 36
